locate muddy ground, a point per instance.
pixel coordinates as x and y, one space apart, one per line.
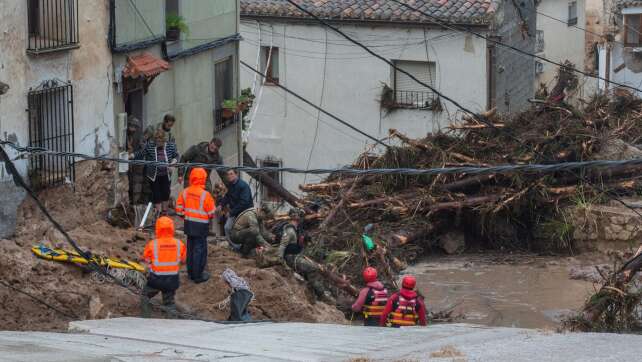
279 295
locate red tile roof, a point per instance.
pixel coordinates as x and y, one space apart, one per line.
454 11
145 65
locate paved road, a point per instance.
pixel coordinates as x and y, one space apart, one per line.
133 339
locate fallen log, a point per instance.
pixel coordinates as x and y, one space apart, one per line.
326 186
472 201
405 139
270 183
339 280
383 200
476 126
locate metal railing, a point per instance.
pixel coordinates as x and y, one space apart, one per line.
52 24
221 122
51 126
415 99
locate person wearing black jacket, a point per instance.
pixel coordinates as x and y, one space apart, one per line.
238 198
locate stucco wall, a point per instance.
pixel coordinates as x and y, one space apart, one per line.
286 129
88 68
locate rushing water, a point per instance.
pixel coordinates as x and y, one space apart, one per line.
517 291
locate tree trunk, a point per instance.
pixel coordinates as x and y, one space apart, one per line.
269 182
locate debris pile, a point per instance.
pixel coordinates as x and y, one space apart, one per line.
415 214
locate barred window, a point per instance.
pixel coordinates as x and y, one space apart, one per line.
51 126
52 24
409 93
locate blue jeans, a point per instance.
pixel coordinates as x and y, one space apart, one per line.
196 256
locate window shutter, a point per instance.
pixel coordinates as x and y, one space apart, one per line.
424 71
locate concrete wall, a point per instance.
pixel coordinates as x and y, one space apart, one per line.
285 128
88 68
131 27
514 73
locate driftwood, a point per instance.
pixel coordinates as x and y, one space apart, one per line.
340 204
340 281
406 140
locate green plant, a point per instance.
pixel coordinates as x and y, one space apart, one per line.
174 21
229 104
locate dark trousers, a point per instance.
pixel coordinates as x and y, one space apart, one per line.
165 284
371 321
196 256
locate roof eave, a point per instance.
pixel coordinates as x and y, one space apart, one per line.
485 23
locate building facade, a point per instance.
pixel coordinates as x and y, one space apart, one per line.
188 76
298 52
57 65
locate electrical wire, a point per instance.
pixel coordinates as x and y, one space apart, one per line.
39 300
511 47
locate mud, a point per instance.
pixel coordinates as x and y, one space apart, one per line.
507 290
81 210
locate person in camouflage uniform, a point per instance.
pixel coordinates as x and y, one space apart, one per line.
204 152
248 231
290 253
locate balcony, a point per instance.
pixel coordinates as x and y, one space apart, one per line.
415 100
53 25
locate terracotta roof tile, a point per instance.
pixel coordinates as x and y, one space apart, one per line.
145 65
456 11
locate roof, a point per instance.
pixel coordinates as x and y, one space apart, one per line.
145 65
453 11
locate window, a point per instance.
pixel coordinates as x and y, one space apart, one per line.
270 60
52 25
572 13
539 41
223 89
409 93
51 126
171 7
632 30
266 193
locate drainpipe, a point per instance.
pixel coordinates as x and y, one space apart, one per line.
607 67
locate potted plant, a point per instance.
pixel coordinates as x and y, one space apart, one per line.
175 24
229 108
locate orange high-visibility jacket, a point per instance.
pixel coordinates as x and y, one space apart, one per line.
195 203
164 253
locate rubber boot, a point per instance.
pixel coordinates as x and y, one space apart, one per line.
145 307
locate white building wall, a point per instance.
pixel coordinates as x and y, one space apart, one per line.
563 42
286 129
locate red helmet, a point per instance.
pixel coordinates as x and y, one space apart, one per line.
408 282
370 274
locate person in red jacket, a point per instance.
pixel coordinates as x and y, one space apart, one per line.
372 299
405 308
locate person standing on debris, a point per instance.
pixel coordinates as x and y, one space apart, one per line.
166 125
204 152
158 149
138 188
240 297
196 206
164 254
372 299
406 307
248 231
238 198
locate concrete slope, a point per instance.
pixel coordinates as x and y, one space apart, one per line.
132 339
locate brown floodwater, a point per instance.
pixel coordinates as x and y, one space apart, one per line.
498 290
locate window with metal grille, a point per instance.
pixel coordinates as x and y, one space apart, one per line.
270 64
572 13
52 24
266 193
223 89
409 93
51 126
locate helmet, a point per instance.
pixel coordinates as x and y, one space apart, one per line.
408 282
295 212
370 274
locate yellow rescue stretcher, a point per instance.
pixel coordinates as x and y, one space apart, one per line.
61 255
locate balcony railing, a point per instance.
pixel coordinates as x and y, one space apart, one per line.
415 100
53 25
223 120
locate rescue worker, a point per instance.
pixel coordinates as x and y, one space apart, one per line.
204 152
290 242
248 232
163 255
405 308
372 299
238 199
196 206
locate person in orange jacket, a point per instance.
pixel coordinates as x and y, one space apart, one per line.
197 207
405 308
372 299
163 255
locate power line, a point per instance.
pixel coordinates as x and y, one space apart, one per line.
446 25
499 169
452 101
317 107
149 28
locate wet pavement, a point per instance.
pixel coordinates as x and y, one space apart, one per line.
511 291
